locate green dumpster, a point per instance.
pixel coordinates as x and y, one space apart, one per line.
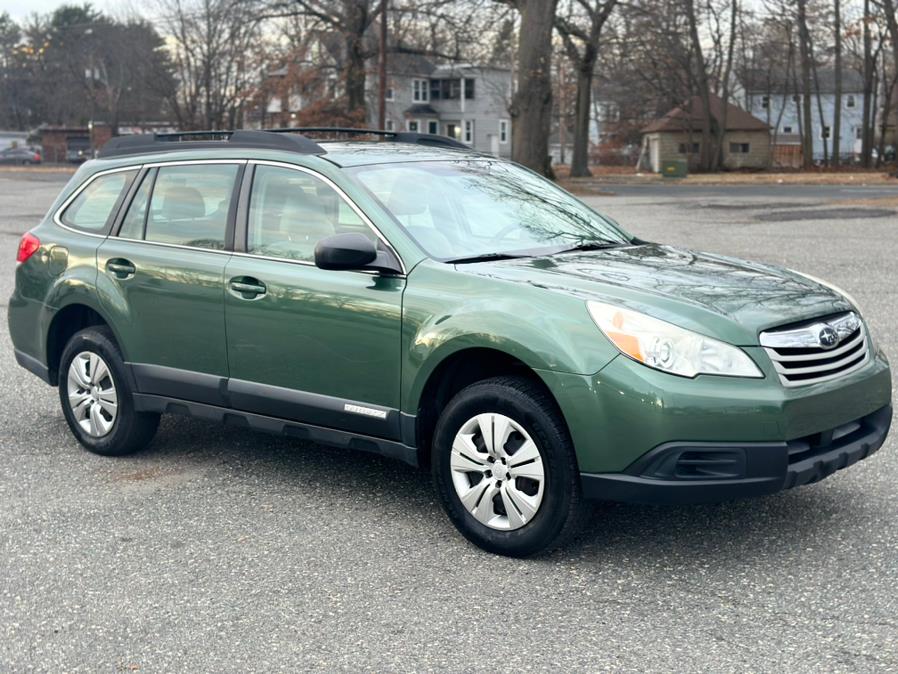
674 168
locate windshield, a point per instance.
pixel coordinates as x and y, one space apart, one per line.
469 209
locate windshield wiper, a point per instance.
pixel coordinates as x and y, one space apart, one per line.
589 245
485 257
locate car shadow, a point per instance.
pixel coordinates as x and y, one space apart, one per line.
717 533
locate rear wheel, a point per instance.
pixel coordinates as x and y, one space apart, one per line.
505 469
97 399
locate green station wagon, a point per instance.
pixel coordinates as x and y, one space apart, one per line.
410 297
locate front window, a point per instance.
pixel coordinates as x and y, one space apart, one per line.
290 211
503 131
469 131
470 208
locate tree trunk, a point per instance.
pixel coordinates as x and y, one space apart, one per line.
807 136
531 107
706 154
356 21
824 138
867 139
580 160
837 116
727 71
382 69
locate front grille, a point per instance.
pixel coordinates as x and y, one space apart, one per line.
817 350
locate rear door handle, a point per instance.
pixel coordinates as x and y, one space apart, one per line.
121 268
247 287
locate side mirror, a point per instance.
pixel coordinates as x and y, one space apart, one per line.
353 252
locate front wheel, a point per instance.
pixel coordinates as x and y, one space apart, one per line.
505 469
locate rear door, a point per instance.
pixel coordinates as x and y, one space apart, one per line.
305 343
162 273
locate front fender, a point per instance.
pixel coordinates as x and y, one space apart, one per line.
545 331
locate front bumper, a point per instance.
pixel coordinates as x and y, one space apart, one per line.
705 472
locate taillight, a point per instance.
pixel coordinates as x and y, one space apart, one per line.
27 246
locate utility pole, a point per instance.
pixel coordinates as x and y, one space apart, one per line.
382 68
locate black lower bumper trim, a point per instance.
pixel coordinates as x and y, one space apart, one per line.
767 468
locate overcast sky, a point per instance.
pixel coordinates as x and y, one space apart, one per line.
21 9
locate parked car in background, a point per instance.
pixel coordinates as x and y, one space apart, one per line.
19 156
440 306
78 150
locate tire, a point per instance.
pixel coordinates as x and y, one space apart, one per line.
532 415
118 429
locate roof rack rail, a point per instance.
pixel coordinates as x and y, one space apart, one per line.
201 140
395 136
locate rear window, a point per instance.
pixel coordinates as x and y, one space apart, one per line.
95 206
189 205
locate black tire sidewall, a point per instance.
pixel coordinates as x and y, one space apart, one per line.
554 445
118 440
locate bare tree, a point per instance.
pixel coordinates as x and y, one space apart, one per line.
703 85
531 106
213 44
804 41
580 31
837 56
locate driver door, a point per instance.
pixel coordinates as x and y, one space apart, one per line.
317 346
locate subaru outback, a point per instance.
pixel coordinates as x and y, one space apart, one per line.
410 297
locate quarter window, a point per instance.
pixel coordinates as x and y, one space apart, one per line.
189 205
95 205
290 211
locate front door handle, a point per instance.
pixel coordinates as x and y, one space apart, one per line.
121 268
247 287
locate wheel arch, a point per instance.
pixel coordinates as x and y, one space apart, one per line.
455 371
64 323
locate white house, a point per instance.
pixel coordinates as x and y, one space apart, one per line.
770 97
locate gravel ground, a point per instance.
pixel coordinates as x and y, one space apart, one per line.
221 550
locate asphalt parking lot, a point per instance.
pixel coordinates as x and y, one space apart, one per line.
222 550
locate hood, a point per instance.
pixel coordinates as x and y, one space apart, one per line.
715 295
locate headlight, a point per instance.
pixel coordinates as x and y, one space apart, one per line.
669 348
836 289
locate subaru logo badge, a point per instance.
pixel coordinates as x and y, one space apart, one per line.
828 337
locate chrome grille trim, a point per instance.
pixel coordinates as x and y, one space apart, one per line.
814 362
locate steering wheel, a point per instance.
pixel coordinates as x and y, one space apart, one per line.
503 233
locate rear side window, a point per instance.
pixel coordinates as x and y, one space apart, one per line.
188 207
95 205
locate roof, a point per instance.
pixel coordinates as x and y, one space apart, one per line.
361 153
760 81
422 110
395 147
689 117
404 63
